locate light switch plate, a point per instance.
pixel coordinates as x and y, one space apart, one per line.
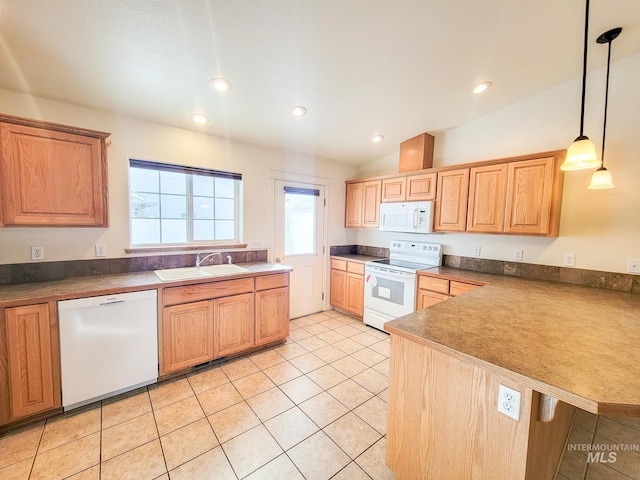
518 255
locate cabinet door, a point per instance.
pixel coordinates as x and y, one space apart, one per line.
393 189
353 205
355 294
426 298
30 361
371 205
187 336
272 315
338 295
421 187
487 194
451 201
52 178
458 288
233 324
529 197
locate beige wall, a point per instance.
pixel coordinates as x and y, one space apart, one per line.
131 138
602 228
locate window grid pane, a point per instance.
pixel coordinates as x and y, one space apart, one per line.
179 208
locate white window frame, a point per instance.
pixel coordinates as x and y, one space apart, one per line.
191 172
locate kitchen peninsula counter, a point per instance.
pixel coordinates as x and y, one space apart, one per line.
562 346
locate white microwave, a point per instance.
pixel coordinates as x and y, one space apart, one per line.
406 217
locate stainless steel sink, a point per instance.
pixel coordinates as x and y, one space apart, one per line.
186 273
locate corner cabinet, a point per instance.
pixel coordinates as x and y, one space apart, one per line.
29 362
52 174
433 289
362 205
205 321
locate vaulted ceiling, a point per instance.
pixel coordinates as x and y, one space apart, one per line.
360 67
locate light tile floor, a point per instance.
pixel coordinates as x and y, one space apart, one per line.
313 408
604 431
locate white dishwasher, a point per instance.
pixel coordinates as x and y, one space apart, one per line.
108 345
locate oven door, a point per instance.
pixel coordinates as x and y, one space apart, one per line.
390 292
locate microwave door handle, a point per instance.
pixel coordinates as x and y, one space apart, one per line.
415 218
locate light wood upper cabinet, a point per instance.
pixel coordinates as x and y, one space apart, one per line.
421 187
30 361
416 153
187 336
52 175
394 189
233 324
362 206
487 194
532 198
451 201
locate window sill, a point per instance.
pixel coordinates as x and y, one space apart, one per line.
182 248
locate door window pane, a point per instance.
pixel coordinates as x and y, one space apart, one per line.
299 224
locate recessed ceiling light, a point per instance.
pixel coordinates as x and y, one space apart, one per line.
220 84
377 138
199 118
482 87
298 111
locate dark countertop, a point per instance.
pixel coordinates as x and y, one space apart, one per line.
77 287
355 257
578 344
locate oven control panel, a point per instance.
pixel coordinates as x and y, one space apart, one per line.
427 253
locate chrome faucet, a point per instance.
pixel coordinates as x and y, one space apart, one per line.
200 260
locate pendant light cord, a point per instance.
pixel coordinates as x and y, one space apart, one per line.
584 67
606 101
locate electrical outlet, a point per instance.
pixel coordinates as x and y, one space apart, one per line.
37 253
476 251
633 265
509 402
101 250
569 260
517 255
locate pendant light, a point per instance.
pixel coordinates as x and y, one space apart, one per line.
582 152
601 179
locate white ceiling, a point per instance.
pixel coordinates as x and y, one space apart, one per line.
361 67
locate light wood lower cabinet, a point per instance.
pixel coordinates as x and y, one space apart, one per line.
347 286
187 336
30 364
433 289
272 315
205 321
233 324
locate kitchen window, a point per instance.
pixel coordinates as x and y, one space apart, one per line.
176 205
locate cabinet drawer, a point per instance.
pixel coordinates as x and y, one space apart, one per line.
272 281
206 291
354 267
338 264
458 288
439 285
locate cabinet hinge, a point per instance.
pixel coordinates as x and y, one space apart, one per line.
322 295
325 202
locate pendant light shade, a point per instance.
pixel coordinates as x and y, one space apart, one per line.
581 155
601 180
582 152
